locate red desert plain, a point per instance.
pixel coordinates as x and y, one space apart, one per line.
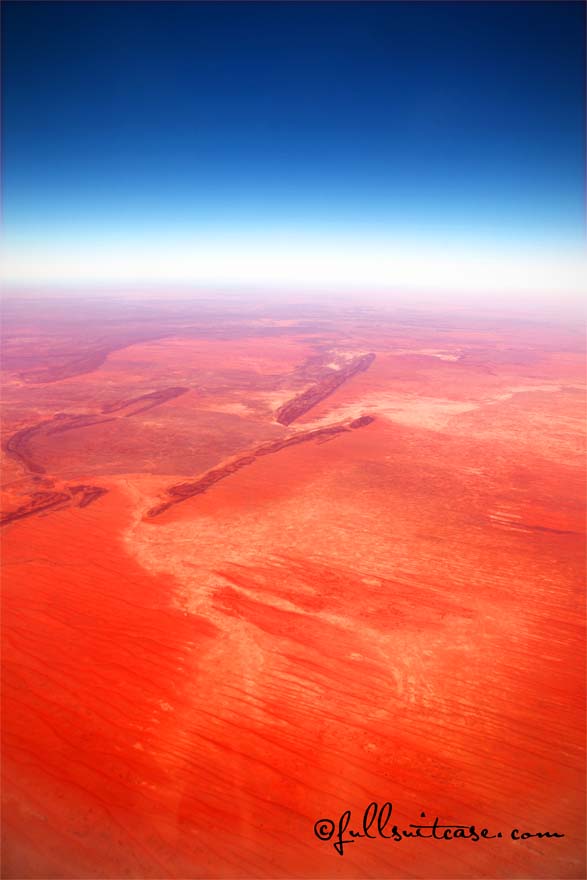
264 564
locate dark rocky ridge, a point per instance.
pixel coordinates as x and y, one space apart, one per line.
304 402
182 491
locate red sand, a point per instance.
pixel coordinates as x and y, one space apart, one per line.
390 612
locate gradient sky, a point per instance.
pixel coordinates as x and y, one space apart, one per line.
143 137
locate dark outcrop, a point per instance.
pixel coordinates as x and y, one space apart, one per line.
37 503
44 502
87 494
362 421
17 446
304 402
154 398
182 491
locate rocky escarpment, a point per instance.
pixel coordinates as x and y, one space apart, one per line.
145 401
304 402
18 445
181 491
45 502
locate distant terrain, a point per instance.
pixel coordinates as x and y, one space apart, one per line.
264 563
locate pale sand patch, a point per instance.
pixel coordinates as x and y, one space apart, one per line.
345 354
423 412
521 389
433 413
234 409
441 354
198 550
273 400
367 543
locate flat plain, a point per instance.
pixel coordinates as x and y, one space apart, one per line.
265 563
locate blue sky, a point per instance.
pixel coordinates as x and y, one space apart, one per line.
162 124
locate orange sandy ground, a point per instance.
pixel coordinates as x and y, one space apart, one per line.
392 615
